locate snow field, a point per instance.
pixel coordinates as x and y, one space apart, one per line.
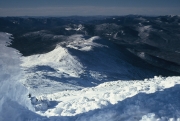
72 103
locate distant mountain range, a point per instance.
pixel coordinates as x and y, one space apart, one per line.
143 39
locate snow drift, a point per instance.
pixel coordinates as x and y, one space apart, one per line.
13 95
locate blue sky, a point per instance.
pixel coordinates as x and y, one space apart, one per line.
88 7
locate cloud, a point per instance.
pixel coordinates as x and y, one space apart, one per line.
86 10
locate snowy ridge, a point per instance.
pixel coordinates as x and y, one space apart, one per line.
50 70
59 58
76 63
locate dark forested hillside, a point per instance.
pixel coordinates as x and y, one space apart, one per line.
154 40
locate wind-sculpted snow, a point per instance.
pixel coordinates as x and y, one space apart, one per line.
155 99
115 93
12 93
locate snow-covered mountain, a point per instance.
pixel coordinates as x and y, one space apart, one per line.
56 99
154 39
77 63
78 72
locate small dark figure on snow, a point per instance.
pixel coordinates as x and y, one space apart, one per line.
29 95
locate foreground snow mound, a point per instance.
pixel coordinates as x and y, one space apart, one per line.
156 98
12 93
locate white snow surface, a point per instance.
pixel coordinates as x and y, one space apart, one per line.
51 67
74 64
109 95
153 99
76 28
12 93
